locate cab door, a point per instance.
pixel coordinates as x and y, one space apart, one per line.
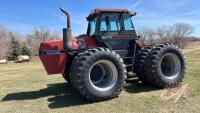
110 30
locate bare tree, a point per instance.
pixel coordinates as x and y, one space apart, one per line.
181 32
38 35
143 37
43 34
147 36
164 33
4 42
177 34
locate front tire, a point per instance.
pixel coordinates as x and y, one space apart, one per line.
66 78
68 72
99 74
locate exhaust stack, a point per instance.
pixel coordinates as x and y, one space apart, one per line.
66 31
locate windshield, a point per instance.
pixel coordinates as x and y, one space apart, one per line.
110 22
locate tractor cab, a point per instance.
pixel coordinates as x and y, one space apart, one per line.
112 27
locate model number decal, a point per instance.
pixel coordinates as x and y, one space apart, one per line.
52 52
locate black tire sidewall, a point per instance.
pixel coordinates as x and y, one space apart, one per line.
93 59
162 53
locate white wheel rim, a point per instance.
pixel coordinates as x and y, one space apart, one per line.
109 77
170 66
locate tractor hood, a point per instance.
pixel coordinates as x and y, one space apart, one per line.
54 57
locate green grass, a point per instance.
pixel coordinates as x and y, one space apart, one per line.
26 88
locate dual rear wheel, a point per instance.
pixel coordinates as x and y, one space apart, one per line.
161 66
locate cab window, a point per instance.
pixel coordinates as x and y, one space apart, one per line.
110 22
128 25
93 26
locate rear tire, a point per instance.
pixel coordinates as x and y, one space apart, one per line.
140 61
165 66
99 74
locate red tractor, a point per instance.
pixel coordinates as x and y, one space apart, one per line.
97 63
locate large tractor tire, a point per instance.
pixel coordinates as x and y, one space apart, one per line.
165 66
99 74
139 64
67 75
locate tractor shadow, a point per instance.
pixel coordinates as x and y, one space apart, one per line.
134 86
63 95
59 95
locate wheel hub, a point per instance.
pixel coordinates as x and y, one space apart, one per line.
98 74
170 66
103 75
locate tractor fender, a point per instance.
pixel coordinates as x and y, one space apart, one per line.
53 56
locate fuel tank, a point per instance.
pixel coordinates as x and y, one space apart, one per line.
53 56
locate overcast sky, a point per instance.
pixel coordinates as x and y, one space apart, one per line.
25 15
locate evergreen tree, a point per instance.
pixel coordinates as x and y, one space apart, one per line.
25 50
14 50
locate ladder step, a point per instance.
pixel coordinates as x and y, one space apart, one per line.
127 57
129 65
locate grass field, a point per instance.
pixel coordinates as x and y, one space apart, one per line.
26 88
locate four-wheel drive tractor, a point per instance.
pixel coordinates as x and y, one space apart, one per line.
96 64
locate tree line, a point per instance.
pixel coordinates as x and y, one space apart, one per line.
179 34
13 44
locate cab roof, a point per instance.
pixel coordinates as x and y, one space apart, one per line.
99 11
111 10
